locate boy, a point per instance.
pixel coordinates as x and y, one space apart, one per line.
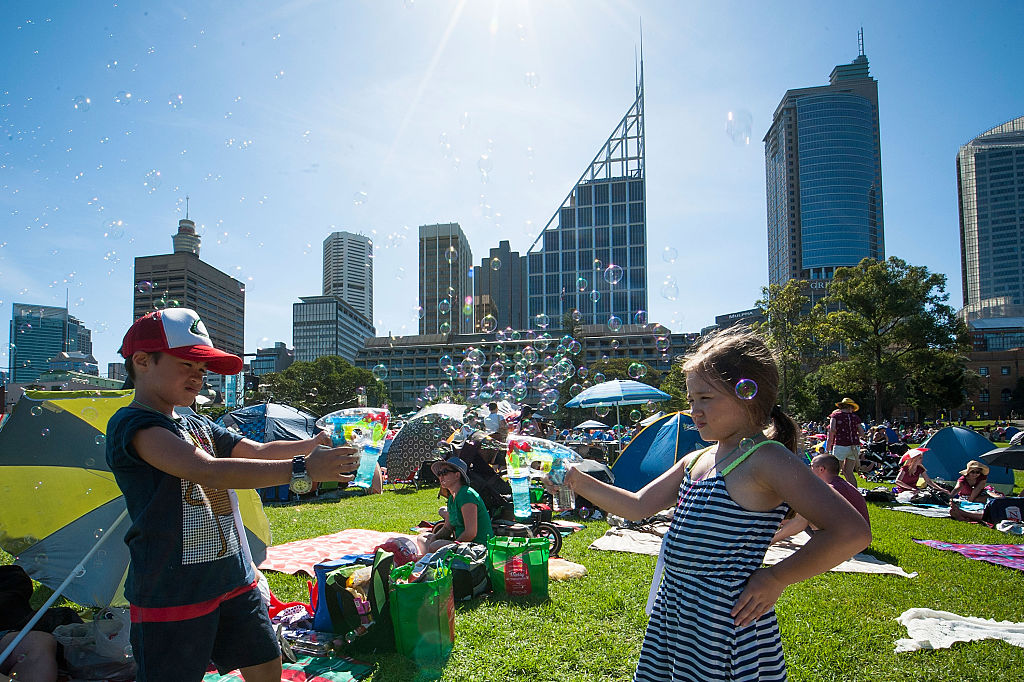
190 583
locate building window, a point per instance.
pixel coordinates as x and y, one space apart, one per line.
1005 371
983 396
983 371
1006 395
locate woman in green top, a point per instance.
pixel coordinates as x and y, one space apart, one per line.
466 517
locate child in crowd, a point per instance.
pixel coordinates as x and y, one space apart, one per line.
912 472
713 616
191 583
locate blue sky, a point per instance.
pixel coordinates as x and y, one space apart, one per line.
286 121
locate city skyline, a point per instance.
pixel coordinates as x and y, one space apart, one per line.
284 125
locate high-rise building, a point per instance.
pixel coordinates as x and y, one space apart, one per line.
498 288
990 181
270 360
446 289
327 325
180 279
591 256
37 334
348 270
823 168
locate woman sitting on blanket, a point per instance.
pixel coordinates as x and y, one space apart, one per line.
973 483
912 472
465 516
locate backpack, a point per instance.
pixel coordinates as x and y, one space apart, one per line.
469 571
365 625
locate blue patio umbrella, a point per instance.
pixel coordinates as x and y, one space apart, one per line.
617 392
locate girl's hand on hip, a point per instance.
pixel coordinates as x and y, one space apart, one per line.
758 597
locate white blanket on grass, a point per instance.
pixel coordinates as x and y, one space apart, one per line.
928 629
858 563
641 542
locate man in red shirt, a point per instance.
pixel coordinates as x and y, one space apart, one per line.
825 467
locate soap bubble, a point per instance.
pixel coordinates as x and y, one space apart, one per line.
598 264
662 343
532 79
451 255
444 306
359 198
640 317
444 327
613 274
614 323
542 320
36 410
485 165
614 344
81 103
576 315
495 264
635 415
44 433
123 98
144 287
113 229
488 324
175 100
746 389
90 462
637 370
582 283
738 125
89 412
669 289
420 312
100 439
602 411
152 180
380 371
595 295
598 377
669 254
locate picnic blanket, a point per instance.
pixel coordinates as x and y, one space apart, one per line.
858 563
649 542
303 555
927 629
308 669
936 511
1010 556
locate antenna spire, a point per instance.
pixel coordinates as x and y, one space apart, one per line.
860 40
186 207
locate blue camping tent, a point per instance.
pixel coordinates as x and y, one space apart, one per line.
265 422
655 449
949 450
1011 431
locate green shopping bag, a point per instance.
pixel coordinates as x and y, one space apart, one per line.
423 614
518 566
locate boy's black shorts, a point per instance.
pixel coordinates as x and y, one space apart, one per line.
237 634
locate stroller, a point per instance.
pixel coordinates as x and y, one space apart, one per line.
482 457
882 465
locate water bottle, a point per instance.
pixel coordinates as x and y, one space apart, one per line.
565 500
368 455
519 478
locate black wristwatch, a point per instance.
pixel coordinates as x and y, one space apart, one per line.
301 482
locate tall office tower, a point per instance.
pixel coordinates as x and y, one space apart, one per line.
327 325
446 290
348 270
38 334
498 288
180 279
823 166
591 256
990 181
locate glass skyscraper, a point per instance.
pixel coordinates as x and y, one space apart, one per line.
990 180
823 170
38 334
592 254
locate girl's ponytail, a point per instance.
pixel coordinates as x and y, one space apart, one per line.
784 429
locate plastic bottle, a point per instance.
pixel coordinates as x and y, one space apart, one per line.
337 431
368 454
565 500
519 478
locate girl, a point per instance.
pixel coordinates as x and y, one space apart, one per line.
913 471
712 615
973 483
465 516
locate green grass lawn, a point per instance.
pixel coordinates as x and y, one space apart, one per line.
834 627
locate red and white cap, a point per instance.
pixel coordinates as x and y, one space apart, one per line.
178 332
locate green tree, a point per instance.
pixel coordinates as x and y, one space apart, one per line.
326 384
790 330
888 323
674 383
